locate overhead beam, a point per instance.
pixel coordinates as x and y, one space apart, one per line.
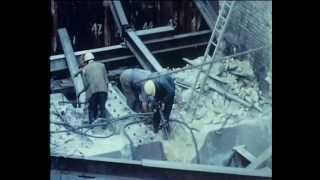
146 34
154 33
142 53
121 52
117 72
119 15
207 12
71 62
134 43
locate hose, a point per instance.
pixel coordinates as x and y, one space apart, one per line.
193 138
108 121
112 120
75 130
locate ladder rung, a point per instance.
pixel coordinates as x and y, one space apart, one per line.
229 3
213 43
219 28
227 11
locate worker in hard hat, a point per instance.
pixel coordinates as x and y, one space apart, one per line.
95 81
132 86
162 91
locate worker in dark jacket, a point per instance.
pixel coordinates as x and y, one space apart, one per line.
95 81
132 86
162 90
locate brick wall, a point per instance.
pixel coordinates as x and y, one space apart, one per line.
250 26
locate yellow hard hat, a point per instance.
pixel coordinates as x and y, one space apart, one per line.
150 88
88 56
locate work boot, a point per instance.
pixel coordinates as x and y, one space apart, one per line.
91 117
156 127
107 117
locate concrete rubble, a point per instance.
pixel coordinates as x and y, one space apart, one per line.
213 111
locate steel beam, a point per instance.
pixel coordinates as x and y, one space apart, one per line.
112 53
120 52
154 33
72 63
150 169
119 16
207 12
135 44
142 53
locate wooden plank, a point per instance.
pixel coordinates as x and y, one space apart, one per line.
243 152
261 159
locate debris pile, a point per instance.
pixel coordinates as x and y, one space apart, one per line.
214 110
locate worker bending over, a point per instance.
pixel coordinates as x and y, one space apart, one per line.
95 81
162 91
152 95
132 86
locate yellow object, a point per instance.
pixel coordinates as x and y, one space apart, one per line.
150 88
88 56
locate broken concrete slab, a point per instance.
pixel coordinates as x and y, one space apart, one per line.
152 151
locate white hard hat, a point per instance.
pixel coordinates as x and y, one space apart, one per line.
150 88
88 56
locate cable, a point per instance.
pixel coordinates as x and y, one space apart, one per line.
75 130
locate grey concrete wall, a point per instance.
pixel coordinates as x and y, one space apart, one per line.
250 26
